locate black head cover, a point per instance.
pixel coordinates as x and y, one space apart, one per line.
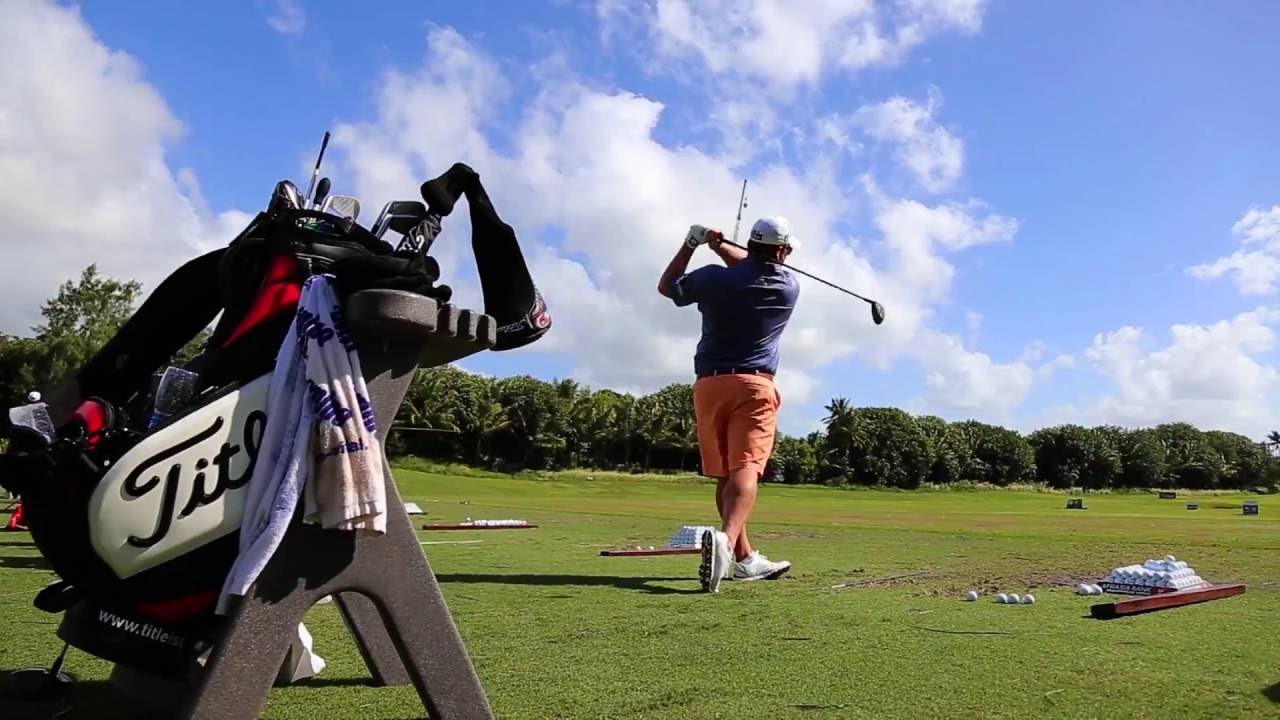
509 293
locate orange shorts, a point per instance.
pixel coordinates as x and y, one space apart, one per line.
737 420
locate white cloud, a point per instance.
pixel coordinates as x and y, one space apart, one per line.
601 204
82 152
785 43
1256 272
1213 376
929 151
967 383
289 18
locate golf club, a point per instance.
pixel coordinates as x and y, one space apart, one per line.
400 215
742 203
322 190
877 310
343 205
316 173
285 195
418 240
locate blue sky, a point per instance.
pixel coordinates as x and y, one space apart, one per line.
1029 187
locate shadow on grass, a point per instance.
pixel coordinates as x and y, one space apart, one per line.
24 562
84 700
322 682
640 584
1272 693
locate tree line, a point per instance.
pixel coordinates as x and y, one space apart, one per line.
525 423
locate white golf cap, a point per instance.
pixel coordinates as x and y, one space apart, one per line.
773 231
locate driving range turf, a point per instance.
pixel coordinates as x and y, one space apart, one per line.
556 631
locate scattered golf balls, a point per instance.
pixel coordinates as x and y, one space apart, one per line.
1002 598
1015 598
1028 599
971 595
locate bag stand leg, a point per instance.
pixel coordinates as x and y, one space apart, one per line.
383 585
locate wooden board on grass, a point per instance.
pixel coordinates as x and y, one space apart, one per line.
1160 601
467 526
656 551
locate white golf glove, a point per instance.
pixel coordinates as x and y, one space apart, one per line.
697 236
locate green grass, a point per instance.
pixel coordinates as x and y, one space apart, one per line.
556 631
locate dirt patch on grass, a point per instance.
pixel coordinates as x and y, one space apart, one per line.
954 584
790 535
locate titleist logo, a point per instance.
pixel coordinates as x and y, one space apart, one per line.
152 468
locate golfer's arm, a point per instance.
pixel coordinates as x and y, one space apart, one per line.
675 269
730 254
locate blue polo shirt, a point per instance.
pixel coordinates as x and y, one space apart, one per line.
744 310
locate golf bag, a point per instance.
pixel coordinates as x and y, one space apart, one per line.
139 512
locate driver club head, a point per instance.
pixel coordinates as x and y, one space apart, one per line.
285 196
877 312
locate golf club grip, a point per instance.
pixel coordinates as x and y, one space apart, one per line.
808 275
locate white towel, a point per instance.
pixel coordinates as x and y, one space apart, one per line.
315 384
347 489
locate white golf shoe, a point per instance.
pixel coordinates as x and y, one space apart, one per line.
716 560
758 567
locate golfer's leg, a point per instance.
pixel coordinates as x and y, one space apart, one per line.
743 546
751 434
740 499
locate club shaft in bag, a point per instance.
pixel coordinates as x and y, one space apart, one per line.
877 310
316 173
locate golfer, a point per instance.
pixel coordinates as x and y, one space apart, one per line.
745 306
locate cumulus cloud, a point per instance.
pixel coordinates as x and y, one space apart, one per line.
929 151
786 43
1255 271
601 205
1213 376
82 153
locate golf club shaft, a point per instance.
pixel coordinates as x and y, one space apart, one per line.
316 173
809 275
742 203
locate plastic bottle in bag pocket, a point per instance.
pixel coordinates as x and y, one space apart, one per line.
176 388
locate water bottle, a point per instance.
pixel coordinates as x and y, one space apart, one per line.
35 416
175 389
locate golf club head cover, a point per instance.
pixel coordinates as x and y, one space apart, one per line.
509 293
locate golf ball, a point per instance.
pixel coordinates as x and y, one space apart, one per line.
1015 598
1170 559
1028 599
650 547
468 519
971 595
639 548
1095 590
1083 589
1002 598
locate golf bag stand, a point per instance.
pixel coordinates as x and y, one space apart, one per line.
383 585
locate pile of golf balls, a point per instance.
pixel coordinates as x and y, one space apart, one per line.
1005 598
